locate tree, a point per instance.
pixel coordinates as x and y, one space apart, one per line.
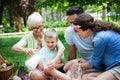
16 10
64 4
1 10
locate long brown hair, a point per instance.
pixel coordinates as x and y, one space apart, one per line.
104 25
86 21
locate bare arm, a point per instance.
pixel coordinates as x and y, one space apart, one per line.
57 74
59 64
69 64
22 45
72 52
60 52
28 51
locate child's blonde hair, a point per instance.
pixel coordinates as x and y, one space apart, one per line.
51 33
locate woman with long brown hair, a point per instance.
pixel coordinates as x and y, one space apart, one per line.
106 44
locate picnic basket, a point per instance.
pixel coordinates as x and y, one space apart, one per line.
6 69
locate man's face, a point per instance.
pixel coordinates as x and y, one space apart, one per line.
71 18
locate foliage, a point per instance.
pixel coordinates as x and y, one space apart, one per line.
53 4
16 9
9 29
114 20
13 11
93 9
58 4
50 24
56 24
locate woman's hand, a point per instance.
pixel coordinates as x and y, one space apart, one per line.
85 65
29 52
81 60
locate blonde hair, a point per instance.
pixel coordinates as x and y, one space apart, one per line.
34 19
51 33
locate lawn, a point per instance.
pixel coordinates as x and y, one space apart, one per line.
18 58
6 43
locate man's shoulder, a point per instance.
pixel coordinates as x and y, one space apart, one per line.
69 30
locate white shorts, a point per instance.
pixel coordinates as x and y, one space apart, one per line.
116 71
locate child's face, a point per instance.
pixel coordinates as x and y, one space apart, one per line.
51 42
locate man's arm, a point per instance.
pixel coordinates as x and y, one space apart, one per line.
72 52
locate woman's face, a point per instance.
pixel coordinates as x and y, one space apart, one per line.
83 34
38 29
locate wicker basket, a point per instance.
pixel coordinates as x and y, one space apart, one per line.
6 72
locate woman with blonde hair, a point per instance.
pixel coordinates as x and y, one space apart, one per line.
33 41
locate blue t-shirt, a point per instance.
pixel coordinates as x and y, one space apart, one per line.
48 54
106 50
84 46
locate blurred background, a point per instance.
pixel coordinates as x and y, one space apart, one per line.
13 13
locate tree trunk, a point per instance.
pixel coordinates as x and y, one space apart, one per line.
116 16
52 13
17 27
104 12
24 19
1 10
11 19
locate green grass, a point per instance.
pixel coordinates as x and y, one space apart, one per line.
6 43
18 58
